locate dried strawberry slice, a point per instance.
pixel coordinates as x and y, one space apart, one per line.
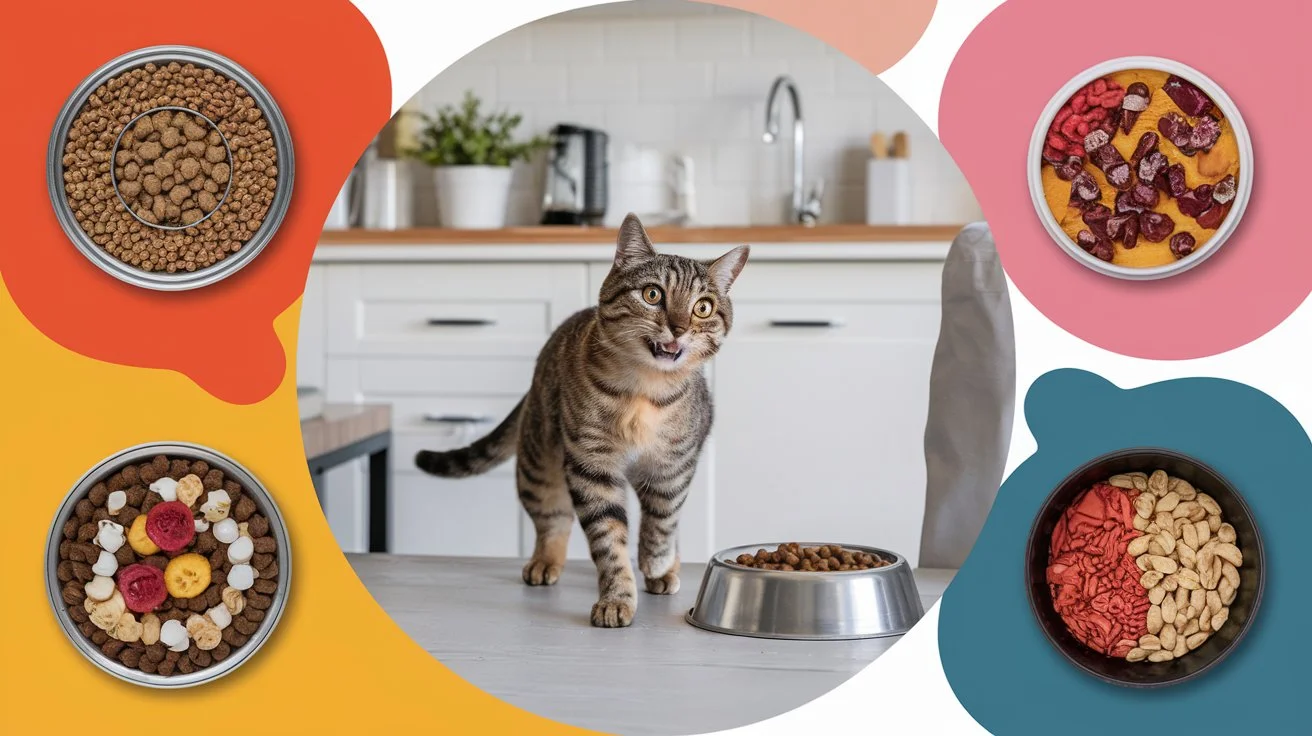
1175 129
1144 195
1190 99
1155 226
142 587
170 526
1131 236
1119 176
1182 244
1147 144
1213 216
1125 204
1095 216
1084 190
1225 190
1195 201
1205 134
1152 164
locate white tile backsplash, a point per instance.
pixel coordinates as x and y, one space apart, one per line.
696 84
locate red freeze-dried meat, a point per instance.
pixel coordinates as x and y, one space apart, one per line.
1189 98
1093 580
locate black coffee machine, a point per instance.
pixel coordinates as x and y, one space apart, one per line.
577 167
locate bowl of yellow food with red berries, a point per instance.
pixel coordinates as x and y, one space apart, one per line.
168 565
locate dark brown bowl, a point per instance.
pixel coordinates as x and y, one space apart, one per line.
1242 611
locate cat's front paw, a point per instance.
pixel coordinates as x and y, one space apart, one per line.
541 572
667 584
611 613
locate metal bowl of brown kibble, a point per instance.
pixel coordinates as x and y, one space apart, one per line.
170 167
168 565
805 590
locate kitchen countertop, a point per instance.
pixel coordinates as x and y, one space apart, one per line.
537 244
534 647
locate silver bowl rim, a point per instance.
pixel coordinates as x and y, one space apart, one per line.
185 280
1034 164
267 506
717 561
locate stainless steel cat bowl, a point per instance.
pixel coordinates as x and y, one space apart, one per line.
781 604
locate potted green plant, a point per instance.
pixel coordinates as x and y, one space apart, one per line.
471 153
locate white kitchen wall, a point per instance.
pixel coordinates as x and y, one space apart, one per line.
693 80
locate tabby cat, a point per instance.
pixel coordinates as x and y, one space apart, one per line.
617 395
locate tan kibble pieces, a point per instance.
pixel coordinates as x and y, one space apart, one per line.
1190 561
172 168
825 558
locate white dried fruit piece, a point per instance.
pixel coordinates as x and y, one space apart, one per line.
1184 509
1161 656
1214 601
1198 599
1214 523
1140 482
1181 599
1226 591
106 565
1165 520
1187 579
1208 503
1204 532
244 529
1182 488
1189 535
173 635
1230 573
1153 528
1138 654
194 624
1167 636
1168 610
1181 648
1168 502
1121 481
115 501
1156 594
1219 618
1154 620
226 531
201 526
1138 546
241 577
1186 555
99 589
241 550
1230 553
233 600
105 614
1155 547
1143 504
1140 523
189 489
1150 642
128 629
1150 578
166 487
1205 624
1170 583
1226 533
220 615
1193 641
150 625
1190 628
1157 482
110 536
216 506
1164 565
1167 542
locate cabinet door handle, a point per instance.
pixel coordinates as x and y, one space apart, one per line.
820 323
460 322
456 419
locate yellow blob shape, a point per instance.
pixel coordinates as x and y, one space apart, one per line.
137 538
187 576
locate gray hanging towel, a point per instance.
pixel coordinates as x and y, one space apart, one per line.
972 391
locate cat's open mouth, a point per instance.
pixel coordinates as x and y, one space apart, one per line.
669 351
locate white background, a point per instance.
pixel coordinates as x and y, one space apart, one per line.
905 691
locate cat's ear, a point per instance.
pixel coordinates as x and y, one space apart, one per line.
633 244
725 269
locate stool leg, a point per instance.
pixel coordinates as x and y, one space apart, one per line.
378 501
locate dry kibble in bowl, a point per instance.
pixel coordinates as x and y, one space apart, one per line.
793 557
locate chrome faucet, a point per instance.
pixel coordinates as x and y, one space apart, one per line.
806 205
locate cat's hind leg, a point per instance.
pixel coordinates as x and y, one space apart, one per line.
543 495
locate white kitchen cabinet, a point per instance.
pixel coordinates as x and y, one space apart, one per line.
820 390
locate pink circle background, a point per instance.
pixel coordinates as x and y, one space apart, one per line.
1022 54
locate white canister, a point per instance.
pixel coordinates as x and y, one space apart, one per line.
888 191
473 197
388 201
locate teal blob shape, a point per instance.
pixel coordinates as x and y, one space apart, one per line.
998 663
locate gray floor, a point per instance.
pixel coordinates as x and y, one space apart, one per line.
534 647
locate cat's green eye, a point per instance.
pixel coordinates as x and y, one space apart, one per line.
703 308
652 295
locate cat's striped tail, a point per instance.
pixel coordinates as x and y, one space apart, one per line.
484 454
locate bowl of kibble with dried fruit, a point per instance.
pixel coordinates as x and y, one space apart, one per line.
168 565
1140 168
804 590
1145 568
170 167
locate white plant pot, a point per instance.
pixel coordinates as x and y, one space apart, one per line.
472 197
